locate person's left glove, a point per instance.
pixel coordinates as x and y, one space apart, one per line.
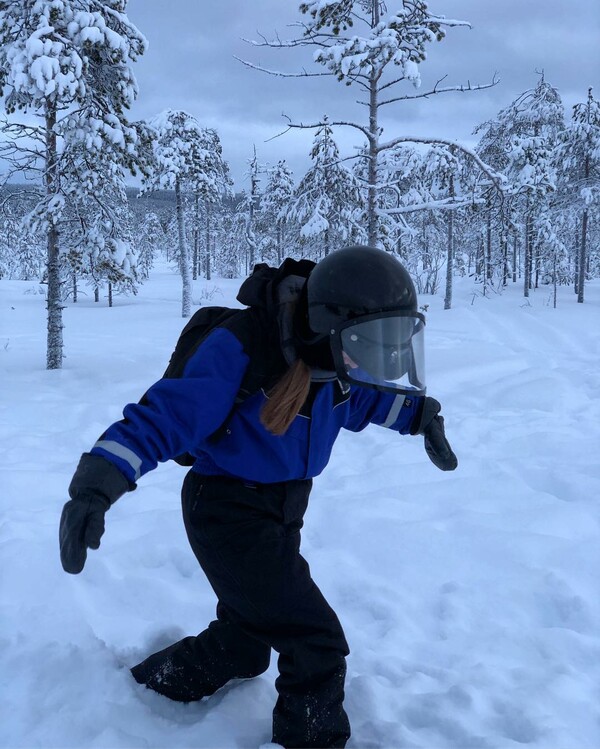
96 485
430 424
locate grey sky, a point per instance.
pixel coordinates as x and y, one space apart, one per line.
190 65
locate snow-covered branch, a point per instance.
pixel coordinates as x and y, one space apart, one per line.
448 204
498 179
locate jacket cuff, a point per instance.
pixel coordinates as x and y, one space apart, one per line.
97 474
428 410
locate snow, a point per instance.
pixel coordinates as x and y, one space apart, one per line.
470 600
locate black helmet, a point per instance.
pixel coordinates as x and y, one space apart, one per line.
365 301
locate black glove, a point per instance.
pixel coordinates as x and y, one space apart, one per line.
97 483
431 425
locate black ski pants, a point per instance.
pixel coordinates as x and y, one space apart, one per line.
247 540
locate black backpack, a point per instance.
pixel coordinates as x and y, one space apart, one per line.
197 329
260 334
200 325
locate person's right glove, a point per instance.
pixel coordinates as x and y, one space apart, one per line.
96 485
431 425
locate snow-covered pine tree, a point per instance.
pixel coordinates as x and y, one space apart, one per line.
249 208
210 185
444 170
233 258
276 202
363 46
67 63
328 199
111 254
149 239
533 123
579 153
98 245
180 159
396 195
499 214
22 253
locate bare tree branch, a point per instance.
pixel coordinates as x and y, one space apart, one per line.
303 126
18 194
399 80
435 90
279 73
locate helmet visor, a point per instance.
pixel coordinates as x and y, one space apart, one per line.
383 351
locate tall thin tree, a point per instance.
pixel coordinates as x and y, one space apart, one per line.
68 64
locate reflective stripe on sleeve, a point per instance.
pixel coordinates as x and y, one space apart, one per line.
394 411
119 451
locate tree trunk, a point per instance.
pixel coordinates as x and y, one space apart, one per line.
279 242
583 244
54 354
514 273
184 260
372 227
450 251
582 258
196 236
554 278
110 294
96 294
504 251
372 221
527 258
504 248
577 255
488 242
74 287
207 259
250 238
480 263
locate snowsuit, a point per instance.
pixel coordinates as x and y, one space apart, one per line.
243 505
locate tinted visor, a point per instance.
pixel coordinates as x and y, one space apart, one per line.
383 351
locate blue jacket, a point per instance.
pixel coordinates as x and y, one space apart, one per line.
179 415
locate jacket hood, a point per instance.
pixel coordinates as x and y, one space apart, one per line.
277 291
268 287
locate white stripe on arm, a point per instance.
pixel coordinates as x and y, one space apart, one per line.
120 451
394 411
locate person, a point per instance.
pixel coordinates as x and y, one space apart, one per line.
337 344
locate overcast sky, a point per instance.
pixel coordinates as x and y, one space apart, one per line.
191 65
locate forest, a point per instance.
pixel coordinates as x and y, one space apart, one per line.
519 208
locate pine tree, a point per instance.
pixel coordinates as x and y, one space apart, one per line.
533 123
210 185
68 63
328 197
579 152
276 202
22 252
181 163
249 209
382 54
149 239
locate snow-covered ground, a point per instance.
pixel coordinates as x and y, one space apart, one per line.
470 600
